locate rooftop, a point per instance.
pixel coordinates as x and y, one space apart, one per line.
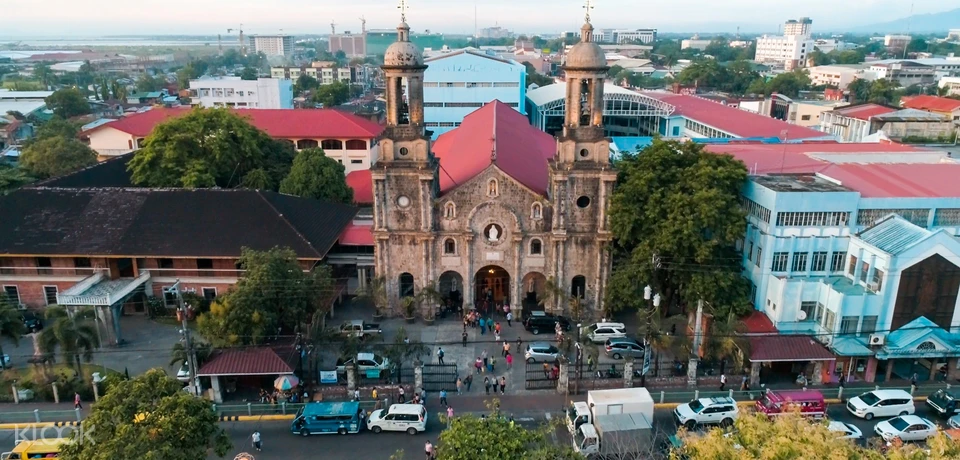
798 183
893 235
781 348
863 111
909 115
931 103
245 361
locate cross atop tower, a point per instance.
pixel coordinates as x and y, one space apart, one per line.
403 7
588 6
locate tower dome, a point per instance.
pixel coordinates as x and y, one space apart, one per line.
586 55
403 53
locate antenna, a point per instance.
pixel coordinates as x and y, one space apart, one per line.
333 27
588 6
363 24
909 21
475 30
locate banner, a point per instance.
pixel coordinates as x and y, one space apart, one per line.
328 376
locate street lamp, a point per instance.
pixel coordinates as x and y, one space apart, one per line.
649 295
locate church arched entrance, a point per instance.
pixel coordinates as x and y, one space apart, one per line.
532 290
450 286
492 285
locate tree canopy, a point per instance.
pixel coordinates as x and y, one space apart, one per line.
305 83
675 211
146 83
332 94
274 293
734 77
149 417
248 73
67 103
56 156
315 175
207 148
534 77
788 83
880 91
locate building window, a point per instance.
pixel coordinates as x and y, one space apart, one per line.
864 269
799 262
819 261
50 294
536 211
869 325
867 217
759 255
583 202
449 247
805 117
536 247
848 325
165 264
203 265
43 266
170 296
450 210
13 294
307 144
754 209
356 162
877 280
578 286
356 144
209 293
331 144
750 252
829 319
493 188
836 262
779 261
812 219
807 310
851 268
82 265
818 313
946 217
406 285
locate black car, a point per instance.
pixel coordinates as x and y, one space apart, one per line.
31 321
545 322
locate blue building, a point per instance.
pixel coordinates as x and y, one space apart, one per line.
461 81
855 246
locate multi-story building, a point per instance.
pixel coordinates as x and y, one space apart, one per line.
852 123
350 139
854 246
800 112
943 67
353 45
695 42
494 32
262 93
791 48
293 73
799 27
905 73
947 108
838 75
272 45
952 85
327 74
645 36
896 42
462 81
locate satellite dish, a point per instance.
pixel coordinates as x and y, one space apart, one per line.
801 315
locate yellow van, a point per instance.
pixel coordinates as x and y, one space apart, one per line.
27 449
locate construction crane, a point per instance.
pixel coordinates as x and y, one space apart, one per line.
363 24
333 27
243 46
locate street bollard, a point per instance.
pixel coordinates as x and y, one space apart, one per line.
840 393
79 417
731 393
249 409
696 394
948 386
283 407
913 388
36 415
876 388
16 395
56 393
96 392
214 408
663 394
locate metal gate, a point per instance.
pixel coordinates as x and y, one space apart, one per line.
438 377
538 377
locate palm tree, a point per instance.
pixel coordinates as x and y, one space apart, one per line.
179 354
75 336
661 334
376 292
11 325
574 306
430 298
727 341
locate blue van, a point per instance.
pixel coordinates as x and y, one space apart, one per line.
326 418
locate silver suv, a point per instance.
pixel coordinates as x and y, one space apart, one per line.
541 352
623 347
707 411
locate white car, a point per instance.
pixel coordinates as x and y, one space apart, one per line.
707 411
411 418
954 422
881 403
600 332
845 430
183 374
907 428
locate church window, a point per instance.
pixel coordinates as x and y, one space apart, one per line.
584 153
537 211
331 144
406 285
493 188
450 210
404 151
536 247
449 247
583 201
356 144
578 286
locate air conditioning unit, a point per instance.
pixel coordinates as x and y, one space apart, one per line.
873 286
877 339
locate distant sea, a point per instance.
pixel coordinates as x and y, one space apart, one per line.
115 41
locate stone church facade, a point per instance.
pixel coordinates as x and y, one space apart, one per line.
494 207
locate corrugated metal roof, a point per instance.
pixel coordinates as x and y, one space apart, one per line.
851 346
913 332
893 235
776 348
252 361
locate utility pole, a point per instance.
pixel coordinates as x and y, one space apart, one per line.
188 341
697 338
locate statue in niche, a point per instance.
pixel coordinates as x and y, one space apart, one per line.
493 234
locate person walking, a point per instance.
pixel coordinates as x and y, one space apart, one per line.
509 317
842 380
546 370
723 381
493 364
483 326
590 363
743 383
440 355
449 415
486 384
509 359
486 359
913 380
478 364
428 448
464 337
373 394
468 381
459 386
257 443
496 327
443 397
503 384
76 401
356 394
402 398
423 395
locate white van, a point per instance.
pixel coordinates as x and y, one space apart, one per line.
881 403
600 332
411 418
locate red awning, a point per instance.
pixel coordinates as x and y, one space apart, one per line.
357 235
250 361
780 348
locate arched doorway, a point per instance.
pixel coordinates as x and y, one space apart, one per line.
492 284
532 289
450 285
406 285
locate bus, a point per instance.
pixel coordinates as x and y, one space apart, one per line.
327 417
42 448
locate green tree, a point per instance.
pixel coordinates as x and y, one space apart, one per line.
534 77
67 103
12 177
56 156
207 148
859 90
664 334
56 127
917 45
257 179
315 175
248 73
819 58
119 90
676 209
43 73
726 342
757 86
273 293
146 83
707 73
740 75
11 324
847 56
74 337
305 83
179 355
149 417
332 95
883 91
495 438
789 83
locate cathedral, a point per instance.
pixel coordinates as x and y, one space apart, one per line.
495 208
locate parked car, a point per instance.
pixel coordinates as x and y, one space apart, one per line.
541 352
945 401
845 430
954 422
31 321
364 362
707 411
623 347
183 374
808 403
360 329
539 321
906 428
600 332
411 418
881 403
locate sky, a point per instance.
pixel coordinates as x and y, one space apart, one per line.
68 18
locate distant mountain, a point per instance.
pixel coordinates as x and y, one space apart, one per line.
918 23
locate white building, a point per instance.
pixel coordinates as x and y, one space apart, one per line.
942 67
838 75
695 43
272 45
952 84
906 73
791 48
262 93
827 45
644 36
896 41
799 27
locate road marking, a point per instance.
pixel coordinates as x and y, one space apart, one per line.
553 433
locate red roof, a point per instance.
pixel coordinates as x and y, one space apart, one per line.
757 322
495 134
778 348
931 103
362 184
247 361
733 120
357 235
863 111
278 123
886 180
796 158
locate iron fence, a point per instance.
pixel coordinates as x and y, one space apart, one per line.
438 377
541 376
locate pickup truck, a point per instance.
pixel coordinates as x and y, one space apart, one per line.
365 362
360 329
